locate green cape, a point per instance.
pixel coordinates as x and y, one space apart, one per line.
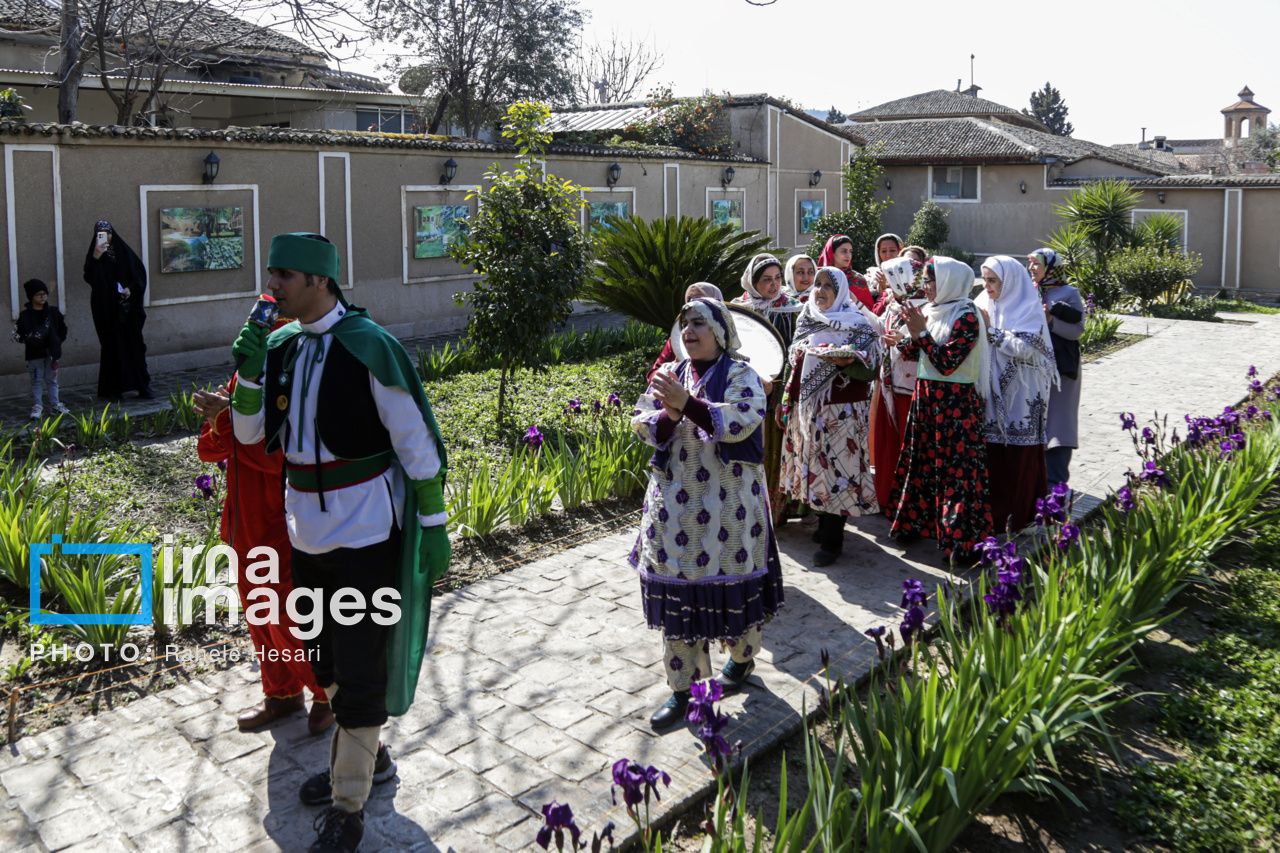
386 359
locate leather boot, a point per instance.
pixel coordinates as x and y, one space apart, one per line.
320 717
671 713
269 711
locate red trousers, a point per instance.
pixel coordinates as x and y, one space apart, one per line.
886 446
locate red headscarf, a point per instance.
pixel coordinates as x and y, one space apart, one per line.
857 283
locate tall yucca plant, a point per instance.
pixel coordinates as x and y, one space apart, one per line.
1102 210
643 268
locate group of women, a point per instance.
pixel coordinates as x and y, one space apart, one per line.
903 395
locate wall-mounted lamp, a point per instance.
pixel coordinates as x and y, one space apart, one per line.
211 163
815 178
615 172
450 169
888 185
1160 196
726 177
1022 187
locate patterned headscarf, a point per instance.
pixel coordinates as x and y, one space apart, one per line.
779 302
1049 260
705 286
720 319
841 325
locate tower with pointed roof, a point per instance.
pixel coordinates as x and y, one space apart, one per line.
1245 109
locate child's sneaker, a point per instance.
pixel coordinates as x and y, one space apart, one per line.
37 412
61 409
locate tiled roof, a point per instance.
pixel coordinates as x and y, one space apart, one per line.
322 82
974 140
208 26
334 138
941 103
1187 181
28 14
1165 157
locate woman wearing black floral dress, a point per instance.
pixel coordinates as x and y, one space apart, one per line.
942 471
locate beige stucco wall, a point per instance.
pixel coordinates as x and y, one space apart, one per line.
1260 245
198 312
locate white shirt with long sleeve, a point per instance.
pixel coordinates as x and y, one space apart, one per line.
358 515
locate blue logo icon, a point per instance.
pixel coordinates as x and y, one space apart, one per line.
141 549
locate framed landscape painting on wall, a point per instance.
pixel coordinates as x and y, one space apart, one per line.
436 226
811 210
727 211
195 239
599 211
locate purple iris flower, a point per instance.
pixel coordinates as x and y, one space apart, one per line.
636 782
1148 435
1067 535
912 623
205 485
615 400
597 406
574 406
1253 371
913 593
556 819
533 437
1124 499
1128 421
1152 473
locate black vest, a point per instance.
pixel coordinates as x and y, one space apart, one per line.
345 413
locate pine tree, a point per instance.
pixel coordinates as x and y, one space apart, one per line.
834 116
1047 105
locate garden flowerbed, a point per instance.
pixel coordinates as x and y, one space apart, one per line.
563 467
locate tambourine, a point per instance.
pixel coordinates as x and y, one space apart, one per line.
759 342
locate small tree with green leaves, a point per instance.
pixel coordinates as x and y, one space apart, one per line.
1048 106
929 228
526 243
863 221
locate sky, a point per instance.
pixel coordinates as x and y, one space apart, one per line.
1169 66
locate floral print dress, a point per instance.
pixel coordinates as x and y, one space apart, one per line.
942 471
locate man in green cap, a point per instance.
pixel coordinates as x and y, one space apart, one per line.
364 504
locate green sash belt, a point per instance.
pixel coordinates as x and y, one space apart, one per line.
338 474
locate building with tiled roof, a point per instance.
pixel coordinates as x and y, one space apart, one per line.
1225 155
232 72
941 103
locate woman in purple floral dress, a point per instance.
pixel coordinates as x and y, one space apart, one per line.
708 564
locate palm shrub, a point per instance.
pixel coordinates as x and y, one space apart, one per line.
643 268
1102 211
526 243
1146 273
929 228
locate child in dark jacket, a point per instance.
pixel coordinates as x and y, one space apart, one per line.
42 329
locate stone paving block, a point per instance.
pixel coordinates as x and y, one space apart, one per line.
449 734
618 704
506 722
516 775
488 816
482 753
71 827
15 831
560 713
540 740
575 763
457 791
100 843
209 711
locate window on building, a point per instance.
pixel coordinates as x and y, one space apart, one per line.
955 183
380 120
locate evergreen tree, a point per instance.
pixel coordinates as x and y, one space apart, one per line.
1047 105
834 116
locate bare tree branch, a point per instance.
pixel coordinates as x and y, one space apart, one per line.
612 71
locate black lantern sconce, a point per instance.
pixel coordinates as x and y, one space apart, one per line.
450 169
888 185
615 172
815 178
1022 187
1160 196
211 163
726 177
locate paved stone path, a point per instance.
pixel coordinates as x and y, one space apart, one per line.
539 678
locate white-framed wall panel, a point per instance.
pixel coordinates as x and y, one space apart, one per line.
707 207
144 241
1227 219
345 157
11 212
582 211
795 208
670 192
1180 212
406 227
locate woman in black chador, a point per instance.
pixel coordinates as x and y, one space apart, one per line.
118 280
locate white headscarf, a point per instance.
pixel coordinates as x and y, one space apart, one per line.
954 280
753 297
706 285
1016 384
843 324
789 274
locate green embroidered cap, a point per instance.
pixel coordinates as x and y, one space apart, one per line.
306 253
